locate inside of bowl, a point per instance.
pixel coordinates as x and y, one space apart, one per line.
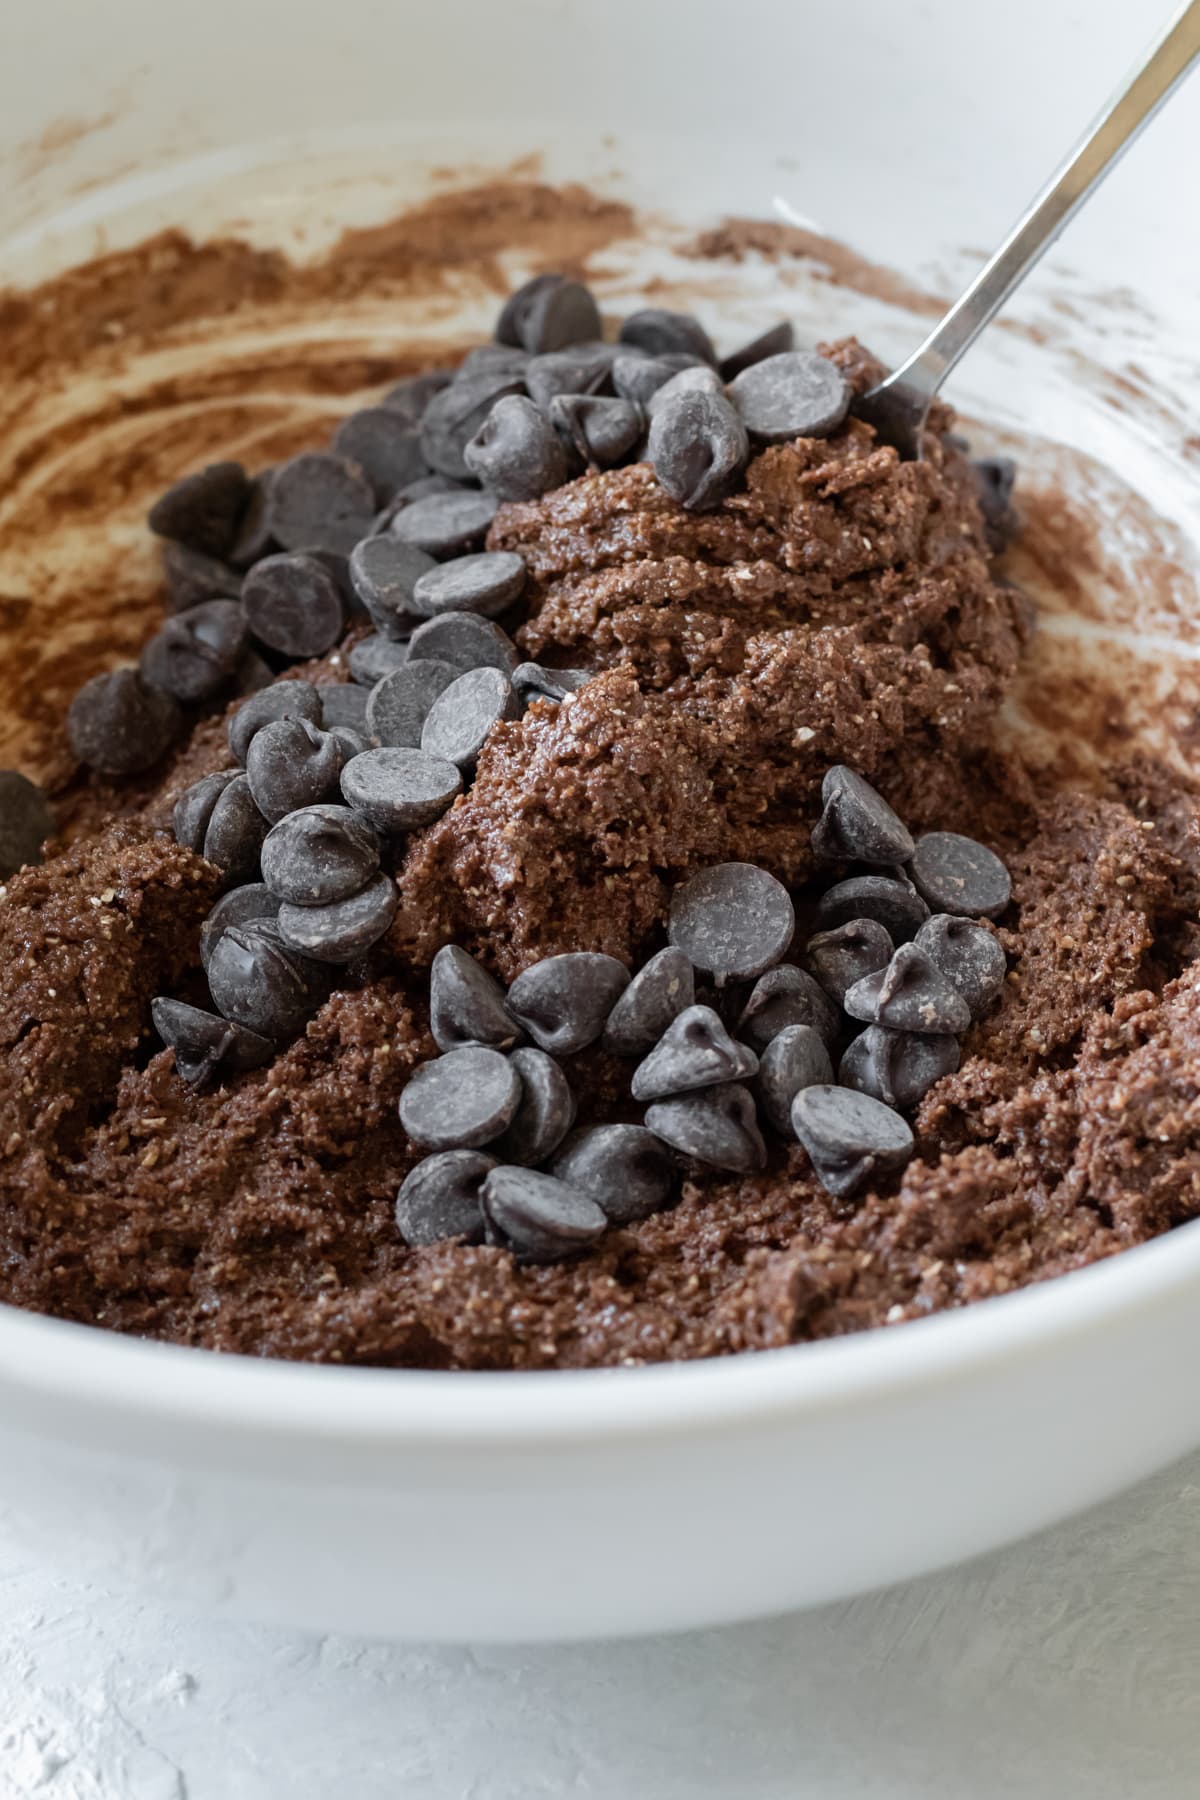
239 300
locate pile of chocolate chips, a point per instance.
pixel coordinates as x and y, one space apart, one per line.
306 833
755 1049
388 525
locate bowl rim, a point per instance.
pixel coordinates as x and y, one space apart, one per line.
60 1364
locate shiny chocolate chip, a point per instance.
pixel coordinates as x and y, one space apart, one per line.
467 1004
537 1216
732 920
625 1169
207 1046
849 1137
564 1001
461 1100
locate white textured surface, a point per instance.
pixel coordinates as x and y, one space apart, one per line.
1063 1668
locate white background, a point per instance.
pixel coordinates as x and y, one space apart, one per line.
1067 1667
1063 1669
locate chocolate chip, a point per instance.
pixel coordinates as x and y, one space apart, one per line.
294 605
120 725
486 583
345 929
238 907
385 572
564 1001
969 955
897 1067
399 789
461 1100
638 378
599 429
849 1137
795 1058
654 999
612 353
205 1044
236 831
557 314
202 510
455 415
253 539
957 875
717 1126
997 474
339 567
695 1051
659 333
698 449
26 821
909 995
342 703
994 480
253 674
516 452
772 342
513 314
787 996
385 448
320 499
374 657
733 920
857 824
256 981
413 491
320 854
197 653
893 904
285 700
843 956
492 359
194 808
699 379
466 1004
532 681
398 706
466 642
439 1199
353 743
445 525
796 394
581 370
546 1112
192 577
292 763
460 719
540 1218
410 397
625 1169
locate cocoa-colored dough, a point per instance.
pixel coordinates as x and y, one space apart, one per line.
839 609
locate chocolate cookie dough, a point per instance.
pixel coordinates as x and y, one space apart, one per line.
836 607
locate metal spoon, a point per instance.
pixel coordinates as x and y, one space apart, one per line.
897 408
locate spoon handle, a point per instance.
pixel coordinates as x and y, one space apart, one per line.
1126 114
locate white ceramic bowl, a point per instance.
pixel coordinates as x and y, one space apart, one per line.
586 1504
